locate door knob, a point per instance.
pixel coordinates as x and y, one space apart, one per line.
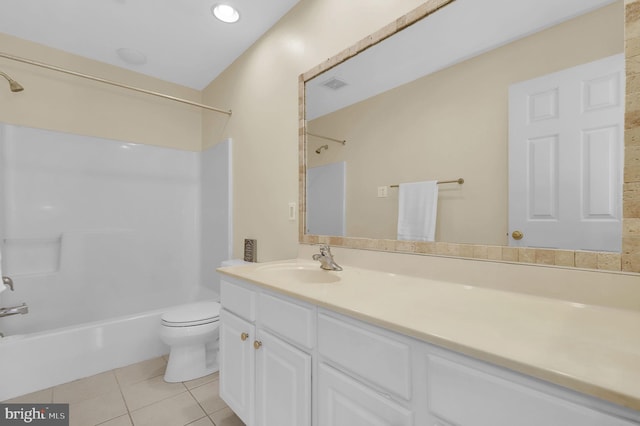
244 336
517 235
257 344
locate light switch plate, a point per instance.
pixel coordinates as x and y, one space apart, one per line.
383 191
292 210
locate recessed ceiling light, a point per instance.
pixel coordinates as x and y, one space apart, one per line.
132 56
225 13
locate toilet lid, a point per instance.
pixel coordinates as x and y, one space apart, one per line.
192 314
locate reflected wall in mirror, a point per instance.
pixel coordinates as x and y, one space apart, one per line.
446 115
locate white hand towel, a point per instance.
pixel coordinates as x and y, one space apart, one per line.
417 209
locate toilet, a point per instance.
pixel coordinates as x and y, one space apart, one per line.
191 331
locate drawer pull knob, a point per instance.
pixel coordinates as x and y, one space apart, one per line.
257 344
244 336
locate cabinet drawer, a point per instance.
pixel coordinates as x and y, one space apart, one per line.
288 319
343 401
379 359
468 397
239 300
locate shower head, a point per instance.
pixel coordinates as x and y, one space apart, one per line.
319 150
14 86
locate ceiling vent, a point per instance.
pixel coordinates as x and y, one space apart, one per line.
334 83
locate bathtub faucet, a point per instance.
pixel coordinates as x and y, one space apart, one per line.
14 310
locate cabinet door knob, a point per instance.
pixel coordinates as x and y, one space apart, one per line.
517 235
257 344
244 336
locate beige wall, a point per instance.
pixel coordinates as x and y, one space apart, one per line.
452 124
261 88
61 102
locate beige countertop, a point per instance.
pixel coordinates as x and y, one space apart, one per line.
591 349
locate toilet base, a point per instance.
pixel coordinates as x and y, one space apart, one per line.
189 362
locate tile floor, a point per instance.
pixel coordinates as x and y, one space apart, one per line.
137 395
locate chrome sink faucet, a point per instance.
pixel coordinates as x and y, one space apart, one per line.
326 259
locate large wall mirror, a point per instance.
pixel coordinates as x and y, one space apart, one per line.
523 100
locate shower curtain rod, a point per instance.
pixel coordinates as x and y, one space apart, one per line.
113 83
327 138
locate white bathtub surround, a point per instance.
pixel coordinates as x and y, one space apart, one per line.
586 342
96 229
98 232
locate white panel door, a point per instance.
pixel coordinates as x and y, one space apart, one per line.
237 365
566 152
326 199
283 383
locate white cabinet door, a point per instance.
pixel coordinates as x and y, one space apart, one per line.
283 383
342 401
237 365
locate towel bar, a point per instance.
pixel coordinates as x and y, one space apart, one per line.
459 181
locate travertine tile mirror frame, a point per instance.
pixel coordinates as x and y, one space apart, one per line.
627 261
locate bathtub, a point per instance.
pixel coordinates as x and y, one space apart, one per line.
40 360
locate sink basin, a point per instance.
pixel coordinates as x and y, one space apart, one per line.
299 273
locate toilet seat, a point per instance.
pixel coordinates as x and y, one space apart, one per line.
193 314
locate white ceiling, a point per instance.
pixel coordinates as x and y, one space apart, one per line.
459 31
181 39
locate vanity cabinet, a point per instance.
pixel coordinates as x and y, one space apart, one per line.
365 375
397 380
265 376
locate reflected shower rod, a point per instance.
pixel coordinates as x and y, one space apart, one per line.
458 181
327 138
112 83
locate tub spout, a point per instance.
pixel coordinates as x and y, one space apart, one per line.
14 310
